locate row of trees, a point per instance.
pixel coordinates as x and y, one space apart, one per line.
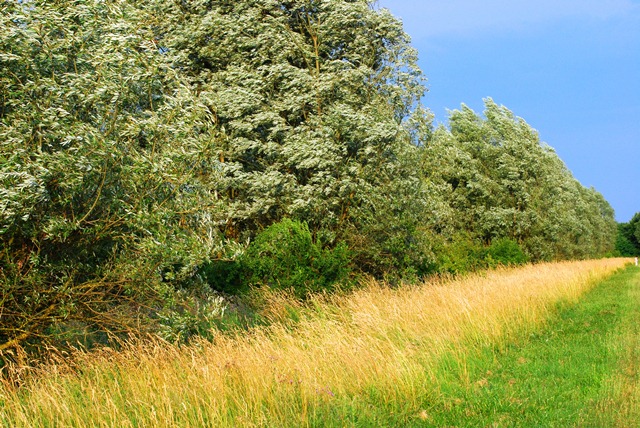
153 148
498 181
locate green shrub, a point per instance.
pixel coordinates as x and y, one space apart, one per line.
467 255
505 251
624 246
461 256
285 256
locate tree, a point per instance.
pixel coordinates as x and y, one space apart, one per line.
101 184
140 139
308 98
628 238
499 181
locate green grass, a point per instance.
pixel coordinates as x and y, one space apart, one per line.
580 370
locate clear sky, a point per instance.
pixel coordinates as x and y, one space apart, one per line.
569 68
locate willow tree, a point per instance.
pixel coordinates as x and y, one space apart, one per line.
308 98
138 136
500 181
102 153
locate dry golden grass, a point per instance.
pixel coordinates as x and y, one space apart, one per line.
380 343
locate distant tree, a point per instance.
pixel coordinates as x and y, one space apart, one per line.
628 239
635 226
497 180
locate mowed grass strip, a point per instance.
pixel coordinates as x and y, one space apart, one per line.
619 405
581 370
413 356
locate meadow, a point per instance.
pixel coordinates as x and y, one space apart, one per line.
466 351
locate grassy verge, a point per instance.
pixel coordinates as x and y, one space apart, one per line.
619 404
580 370
415 356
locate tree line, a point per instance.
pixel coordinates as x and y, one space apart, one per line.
153 151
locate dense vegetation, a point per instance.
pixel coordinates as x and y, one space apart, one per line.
153 151
628 239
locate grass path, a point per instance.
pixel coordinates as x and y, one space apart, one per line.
581 370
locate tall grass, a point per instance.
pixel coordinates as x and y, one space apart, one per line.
371 358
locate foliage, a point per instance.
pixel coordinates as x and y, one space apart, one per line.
496 180
389 235
224 275
308 97
461 255
146 146
505 252
628 238
285 256
464 254
102 149
191 314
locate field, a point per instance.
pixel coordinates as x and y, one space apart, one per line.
542 345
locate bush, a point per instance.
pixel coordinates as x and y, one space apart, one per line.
506 252
461 256
285 256
466 255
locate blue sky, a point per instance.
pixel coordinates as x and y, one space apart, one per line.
569 68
